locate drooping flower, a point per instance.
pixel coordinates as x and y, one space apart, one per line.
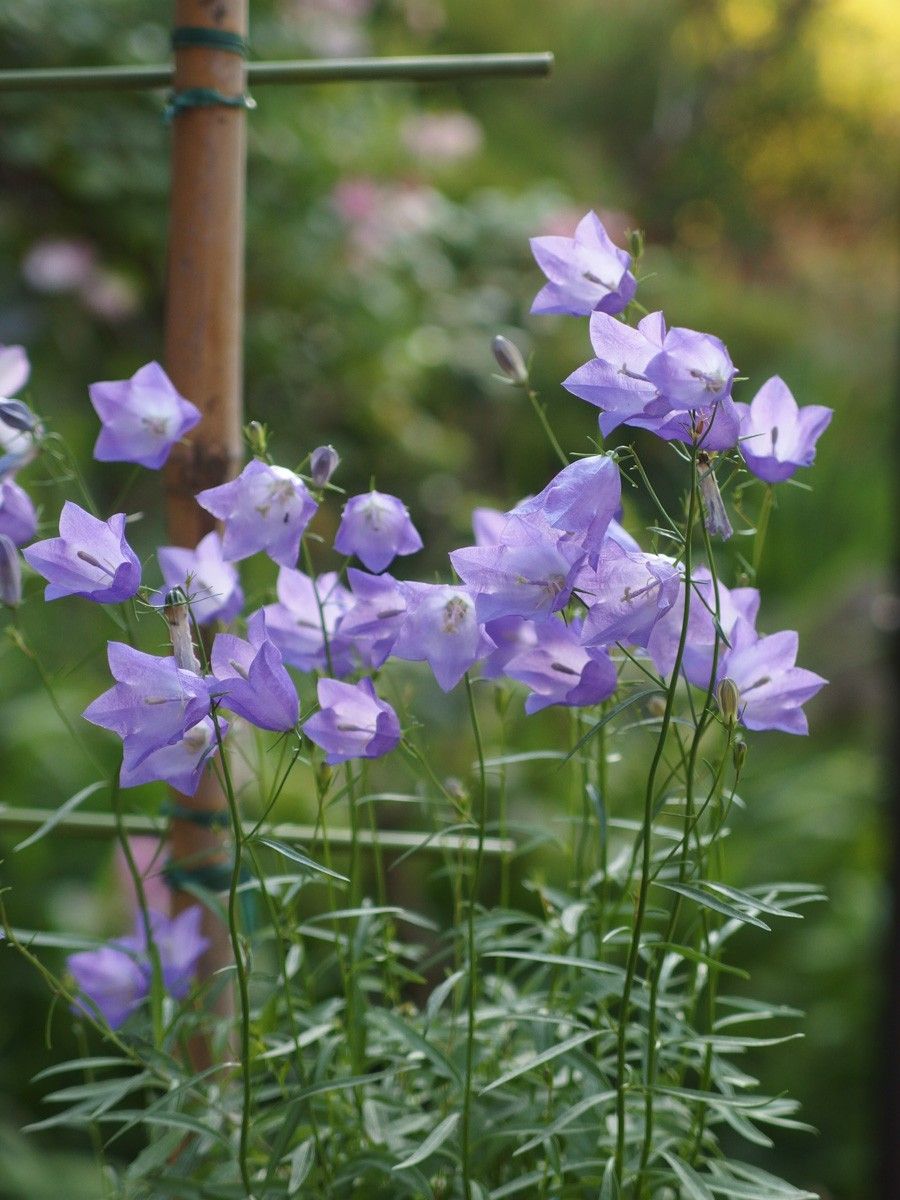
581 499
529 574
10 573
560 670
488 525
303 624
778 437
211 584
91 558
143 417
153 703
323 462
692 370
14 369
18 519
250 678
265 508
771 688
180 763
441 628
376 527
370 626
511 636
352 722
626 594
585 273
117 977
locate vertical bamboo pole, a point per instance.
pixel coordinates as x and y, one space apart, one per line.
203 345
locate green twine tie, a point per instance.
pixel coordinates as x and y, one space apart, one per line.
198 816
214 39
211 877
201 97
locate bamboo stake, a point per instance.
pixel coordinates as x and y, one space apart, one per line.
203 347
297 71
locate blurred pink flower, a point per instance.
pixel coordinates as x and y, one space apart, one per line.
379 215
442 137
150 857
58 264
109 295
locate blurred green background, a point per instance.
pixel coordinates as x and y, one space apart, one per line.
754 142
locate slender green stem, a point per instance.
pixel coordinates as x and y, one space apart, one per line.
541 414
473 955
637 931
762 526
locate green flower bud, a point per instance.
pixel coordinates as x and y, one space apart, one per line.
738 754
257 438
510 361
728 698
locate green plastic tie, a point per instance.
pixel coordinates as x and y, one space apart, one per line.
201 97
198 816
212 877
214 39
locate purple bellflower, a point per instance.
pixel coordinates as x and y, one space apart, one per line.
210 583
771 688
626 595
511 636
777 437
441 628
585 273
370 626
376 528
560 670
488 525
14 369
352 722
582 500
153 703
265 508
295 623
117 977
18 519
530 574
692 370
180 764
143 417
250 678
90 558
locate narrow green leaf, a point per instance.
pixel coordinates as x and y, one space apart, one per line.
539 1060
570 1115
301 1164
634 698
609 1188
558 960
693 1186
57 814
713 902
303 859
745 899
433 1142
393 1024
696 956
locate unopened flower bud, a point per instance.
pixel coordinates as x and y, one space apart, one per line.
323 462
10 573
323 777
636 243
510 361
17 415
738 754
656 706
715 518
728 698
257 438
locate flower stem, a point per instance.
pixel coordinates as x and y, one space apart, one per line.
545 425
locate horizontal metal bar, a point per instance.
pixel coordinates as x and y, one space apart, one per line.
103 825
426 69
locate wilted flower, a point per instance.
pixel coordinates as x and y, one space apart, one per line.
143 417
715 516
323 462
585 272
376 527
90 558
211 584
10 573
441 628
560 670
306 617
265 508
18 519
16 415
352 722
250 678
777 437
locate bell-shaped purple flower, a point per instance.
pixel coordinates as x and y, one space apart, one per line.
626 595
530 574
211 584
18 519
14 369
585 273
441 628
560 670
376 528
771 688
153 703
250 678
306 617
488 525
370 626
777 436
692 370
511 636
265 508
115 980
180 763
143 417
581 500
90 558
352 722
180 944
